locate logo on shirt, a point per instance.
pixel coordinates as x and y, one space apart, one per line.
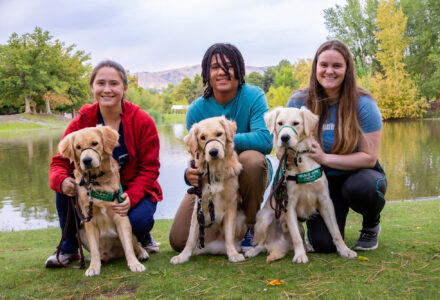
328 126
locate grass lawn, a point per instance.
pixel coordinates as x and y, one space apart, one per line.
30 121
405 266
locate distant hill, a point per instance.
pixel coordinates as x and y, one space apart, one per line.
161 79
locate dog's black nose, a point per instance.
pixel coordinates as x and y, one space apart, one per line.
213 152
285 138
87 161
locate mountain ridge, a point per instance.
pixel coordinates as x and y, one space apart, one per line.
161 79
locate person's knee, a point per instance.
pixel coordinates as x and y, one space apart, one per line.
252 161
365 188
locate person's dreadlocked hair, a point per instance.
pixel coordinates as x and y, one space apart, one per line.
347 128
235 58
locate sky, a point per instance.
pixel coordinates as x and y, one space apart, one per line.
156 35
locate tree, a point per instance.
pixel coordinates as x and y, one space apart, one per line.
354 24
423 53
301 72
278 96
33 64
395 91
255 78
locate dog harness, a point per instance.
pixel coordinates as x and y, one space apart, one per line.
279 187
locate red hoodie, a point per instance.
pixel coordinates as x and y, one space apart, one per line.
139 177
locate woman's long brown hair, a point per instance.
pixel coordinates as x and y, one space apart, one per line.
347 128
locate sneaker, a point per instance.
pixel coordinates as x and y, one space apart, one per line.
368 239
64 259
248 240
150 244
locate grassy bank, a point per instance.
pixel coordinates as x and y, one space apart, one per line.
405 266
31 122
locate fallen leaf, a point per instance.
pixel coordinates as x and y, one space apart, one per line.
275 282
362 258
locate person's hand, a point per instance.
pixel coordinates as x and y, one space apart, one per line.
192 176
317 153
68 187
123 208
289 160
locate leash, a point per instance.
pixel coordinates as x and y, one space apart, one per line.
200 215
72 205
279 187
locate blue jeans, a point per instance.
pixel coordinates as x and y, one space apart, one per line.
141 219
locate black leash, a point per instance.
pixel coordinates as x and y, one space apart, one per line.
279 189
200 215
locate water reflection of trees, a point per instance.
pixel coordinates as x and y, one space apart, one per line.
410 154
24 160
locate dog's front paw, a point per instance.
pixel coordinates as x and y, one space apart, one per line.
136 267
348 253
236 257
93 270
143 255
179 259
251 252
300 258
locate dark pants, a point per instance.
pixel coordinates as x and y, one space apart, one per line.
141 219
363 191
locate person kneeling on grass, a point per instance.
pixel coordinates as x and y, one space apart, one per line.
349 133
227 94
137 155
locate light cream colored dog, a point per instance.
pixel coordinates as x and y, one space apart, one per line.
212 143
293 130
108 235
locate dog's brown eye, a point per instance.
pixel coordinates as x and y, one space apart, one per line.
94 144
202 137
295 123
78 147
219 134
280 123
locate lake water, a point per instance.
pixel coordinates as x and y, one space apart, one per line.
410 154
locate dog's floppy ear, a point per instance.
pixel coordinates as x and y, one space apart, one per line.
191 138
230 128
110 138
65 147
271 117
310 121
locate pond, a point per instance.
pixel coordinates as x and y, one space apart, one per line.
410 154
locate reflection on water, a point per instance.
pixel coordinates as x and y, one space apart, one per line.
410 154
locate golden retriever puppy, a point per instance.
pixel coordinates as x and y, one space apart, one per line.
97 178
307 191
212 142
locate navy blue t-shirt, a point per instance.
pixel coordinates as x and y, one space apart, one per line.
120 153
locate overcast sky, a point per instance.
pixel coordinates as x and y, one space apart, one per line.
154 35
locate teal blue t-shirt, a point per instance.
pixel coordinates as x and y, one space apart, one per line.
247 109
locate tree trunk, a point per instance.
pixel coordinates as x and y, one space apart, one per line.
27 107
48 111
73 112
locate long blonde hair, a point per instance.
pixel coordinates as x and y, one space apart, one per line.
347 128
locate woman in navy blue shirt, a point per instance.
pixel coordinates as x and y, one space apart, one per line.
349 136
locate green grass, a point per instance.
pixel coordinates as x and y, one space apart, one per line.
173 118
405 266
30 122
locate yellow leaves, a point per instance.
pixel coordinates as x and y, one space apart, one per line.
278 96
275 282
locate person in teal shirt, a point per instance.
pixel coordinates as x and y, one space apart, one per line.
227 94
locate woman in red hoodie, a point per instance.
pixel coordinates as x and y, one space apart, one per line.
137 155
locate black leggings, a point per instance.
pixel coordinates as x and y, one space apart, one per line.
363 191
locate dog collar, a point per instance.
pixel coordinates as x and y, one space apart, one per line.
105 196
288 127
306 177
